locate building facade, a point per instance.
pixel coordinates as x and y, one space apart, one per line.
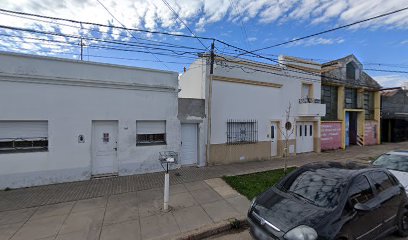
394 115
246 104
63 120
352 100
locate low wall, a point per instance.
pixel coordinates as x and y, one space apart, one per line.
230 153
370 133
330 135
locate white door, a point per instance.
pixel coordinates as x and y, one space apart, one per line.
189 145
304 137
104 147
274 139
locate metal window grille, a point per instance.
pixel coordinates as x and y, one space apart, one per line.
242 132
369 105
8 145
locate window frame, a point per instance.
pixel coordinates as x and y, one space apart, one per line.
25 144
368 179
150 137
236 134
373 182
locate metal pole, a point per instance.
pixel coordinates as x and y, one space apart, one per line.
166 191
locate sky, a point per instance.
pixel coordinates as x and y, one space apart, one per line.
380 44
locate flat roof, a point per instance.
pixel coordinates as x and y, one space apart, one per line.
34 56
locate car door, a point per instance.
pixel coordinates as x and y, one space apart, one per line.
388 195
362 224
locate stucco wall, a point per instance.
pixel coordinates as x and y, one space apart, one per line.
330 135
70 110
370 132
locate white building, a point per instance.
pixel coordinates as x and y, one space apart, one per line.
64 120
245 104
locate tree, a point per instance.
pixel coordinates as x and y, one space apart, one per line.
287 133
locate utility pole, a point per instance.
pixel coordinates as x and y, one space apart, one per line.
212 56
82 46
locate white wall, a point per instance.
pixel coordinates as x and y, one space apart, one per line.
265 104
192 82
71 109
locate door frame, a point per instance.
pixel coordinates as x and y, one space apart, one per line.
115 161
360 126
278 137
197 124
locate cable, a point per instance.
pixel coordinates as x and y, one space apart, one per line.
104 25
91 39
243 30
158 59
181 20
326 31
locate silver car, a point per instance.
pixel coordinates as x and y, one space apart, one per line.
397 163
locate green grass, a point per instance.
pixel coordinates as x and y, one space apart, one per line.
251 185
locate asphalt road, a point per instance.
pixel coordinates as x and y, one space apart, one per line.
244 235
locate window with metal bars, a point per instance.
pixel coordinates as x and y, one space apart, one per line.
369 105
242 132
329 98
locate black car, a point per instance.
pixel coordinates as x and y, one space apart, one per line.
331 201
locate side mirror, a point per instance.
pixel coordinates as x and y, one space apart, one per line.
362 207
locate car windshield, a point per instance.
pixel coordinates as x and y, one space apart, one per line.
321 187
393 162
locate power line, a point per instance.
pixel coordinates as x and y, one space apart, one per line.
158 59
104 25
326 31
185 24
243 30
93 39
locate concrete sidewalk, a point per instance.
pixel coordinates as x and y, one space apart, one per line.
68 192
136 215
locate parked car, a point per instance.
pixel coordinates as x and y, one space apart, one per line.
397 163
331 201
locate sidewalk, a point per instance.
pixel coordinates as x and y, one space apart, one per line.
67 192
196 206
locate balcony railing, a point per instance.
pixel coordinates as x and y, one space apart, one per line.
311 107
309 100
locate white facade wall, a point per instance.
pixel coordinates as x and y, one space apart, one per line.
70 95
232 99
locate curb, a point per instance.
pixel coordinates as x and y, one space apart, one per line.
215 230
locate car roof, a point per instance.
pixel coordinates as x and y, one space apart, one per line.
399 152
348 169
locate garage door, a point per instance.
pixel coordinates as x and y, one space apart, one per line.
188 154
304 137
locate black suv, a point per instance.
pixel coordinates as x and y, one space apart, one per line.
331 201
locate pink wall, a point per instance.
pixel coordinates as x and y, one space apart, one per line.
370 133
330 135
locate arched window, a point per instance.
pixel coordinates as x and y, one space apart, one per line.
351 70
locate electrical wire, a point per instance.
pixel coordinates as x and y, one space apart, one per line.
326 31
185 24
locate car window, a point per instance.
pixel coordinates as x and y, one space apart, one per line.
360 191
393 162
381 181
321 187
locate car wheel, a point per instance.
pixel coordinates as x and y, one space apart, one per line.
403 223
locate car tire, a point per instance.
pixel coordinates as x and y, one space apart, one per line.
403 223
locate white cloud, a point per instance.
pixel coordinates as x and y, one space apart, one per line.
313 41
252 39
198 14
405 42
391 80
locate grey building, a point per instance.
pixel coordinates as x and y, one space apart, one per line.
394 110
